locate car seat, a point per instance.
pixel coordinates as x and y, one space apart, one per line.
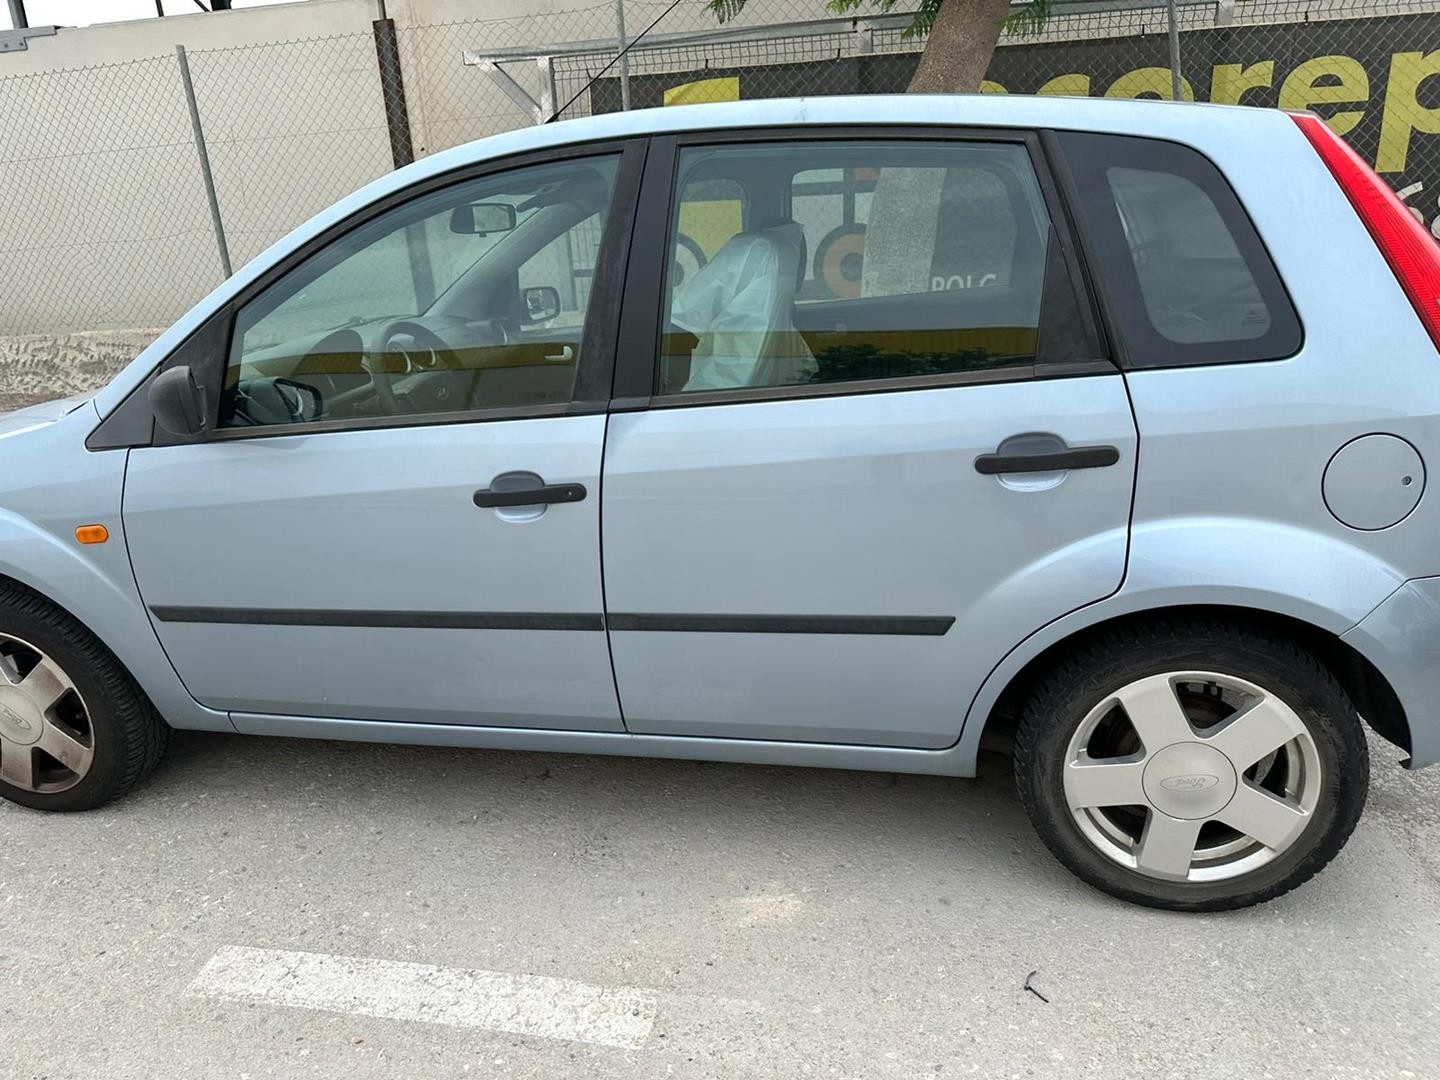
740 307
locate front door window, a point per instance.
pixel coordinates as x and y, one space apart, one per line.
472 297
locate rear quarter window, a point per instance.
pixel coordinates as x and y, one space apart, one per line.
1185 275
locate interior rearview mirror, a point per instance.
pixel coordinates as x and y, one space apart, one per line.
482 218
178 402
542 303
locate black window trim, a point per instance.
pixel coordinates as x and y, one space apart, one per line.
1121 305
637 360
206 350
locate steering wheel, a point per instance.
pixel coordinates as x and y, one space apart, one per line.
408 346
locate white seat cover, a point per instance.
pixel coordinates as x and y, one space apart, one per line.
739 306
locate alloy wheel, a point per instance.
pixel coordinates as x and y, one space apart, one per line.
1192 776
47 743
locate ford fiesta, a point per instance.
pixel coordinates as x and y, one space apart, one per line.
842 432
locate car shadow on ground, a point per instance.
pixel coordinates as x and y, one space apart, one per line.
686 817
652 800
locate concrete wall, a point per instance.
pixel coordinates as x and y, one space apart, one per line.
452 104
42 367
106 226
106 222
109 43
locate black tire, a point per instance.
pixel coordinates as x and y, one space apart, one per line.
129 738
1082 678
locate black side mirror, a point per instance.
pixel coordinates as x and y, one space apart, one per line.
178 403
542 303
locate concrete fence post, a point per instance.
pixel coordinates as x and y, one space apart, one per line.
620 43
205 174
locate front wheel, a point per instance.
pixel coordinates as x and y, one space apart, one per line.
1192 766
75 730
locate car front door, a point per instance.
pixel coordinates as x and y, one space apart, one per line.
395 516
876 447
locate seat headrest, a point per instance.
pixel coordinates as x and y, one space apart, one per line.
793 233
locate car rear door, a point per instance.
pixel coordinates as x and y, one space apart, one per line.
863 445
432 557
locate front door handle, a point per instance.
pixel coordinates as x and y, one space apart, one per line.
1079 457
548 493
564 356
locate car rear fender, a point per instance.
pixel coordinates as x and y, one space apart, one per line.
1240 564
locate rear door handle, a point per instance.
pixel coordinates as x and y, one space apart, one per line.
549 493
1079 457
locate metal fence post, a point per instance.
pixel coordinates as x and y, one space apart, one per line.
1177 82
392 89
402 149
204 155
548 96
620 43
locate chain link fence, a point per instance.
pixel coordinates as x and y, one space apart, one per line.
289 128
450 102
99 185
106 172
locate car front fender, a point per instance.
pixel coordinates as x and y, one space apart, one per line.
55 486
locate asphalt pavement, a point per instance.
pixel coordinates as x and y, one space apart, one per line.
281 908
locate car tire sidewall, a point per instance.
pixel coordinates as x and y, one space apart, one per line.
1321 706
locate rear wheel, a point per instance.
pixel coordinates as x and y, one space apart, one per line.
75 731
1192 766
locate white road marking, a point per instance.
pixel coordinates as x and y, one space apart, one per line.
517 1004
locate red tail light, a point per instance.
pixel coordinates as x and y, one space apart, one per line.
1411 252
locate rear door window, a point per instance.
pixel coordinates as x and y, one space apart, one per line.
804 263
1186 275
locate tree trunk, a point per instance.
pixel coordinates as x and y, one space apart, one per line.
905 209
959 48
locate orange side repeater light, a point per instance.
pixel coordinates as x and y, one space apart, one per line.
92 534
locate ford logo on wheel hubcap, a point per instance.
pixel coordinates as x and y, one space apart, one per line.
17 721
1190 782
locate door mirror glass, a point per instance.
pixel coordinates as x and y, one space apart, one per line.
482 219
542 303
178 402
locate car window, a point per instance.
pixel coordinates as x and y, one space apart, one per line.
1188 278
1193 279
854 261
471 297
711 212
833 205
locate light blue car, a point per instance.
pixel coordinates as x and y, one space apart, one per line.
841 432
